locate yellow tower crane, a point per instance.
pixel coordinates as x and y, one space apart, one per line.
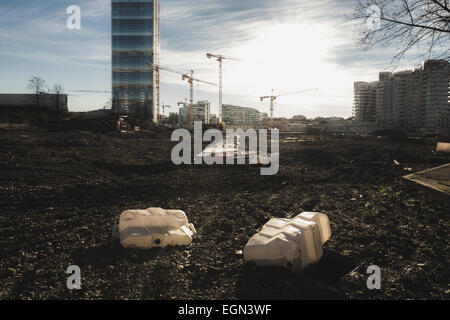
274 97
190 79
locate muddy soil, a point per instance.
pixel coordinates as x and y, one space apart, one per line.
61 193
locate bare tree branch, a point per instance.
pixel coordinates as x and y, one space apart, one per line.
419 25
37 85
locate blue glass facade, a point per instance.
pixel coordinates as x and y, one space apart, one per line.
135 37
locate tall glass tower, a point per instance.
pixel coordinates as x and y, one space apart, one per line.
135 42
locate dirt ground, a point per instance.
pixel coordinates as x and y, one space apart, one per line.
61 193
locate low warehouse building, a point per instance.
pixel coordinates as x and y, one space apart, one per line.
46 101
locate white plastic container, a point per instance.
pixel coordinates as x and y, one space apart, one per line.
443 147
291 243
155 227
322 222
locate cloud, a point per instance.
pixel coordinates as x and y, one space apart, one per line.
41 34
287 45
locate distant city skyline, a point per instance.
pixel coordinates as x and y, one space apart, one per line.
288 46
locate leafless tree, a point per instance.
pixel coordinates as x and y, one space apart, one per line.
37 85
417 26
58 90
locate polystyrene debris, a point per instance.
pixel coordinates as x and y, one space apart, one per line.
291 243
155 227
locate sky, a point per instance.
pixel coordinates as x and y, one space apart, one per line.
285 45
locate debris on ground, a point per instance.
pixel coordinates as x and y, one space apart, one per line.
290 243
437 179
61 193
443 147
155 228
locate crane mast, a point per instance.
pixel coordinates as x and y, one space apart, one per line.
220 89
220 59
164 106
191 96
274 97
182 103
190 79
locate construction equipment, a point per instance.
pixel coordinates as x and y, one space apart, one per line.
126 124
164 106
184 104
274 97
190 79
220 58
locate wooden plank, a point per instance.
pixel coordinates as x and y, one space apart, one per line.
437 179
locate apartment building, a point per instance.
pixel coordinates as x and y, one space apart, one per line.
384 100
415 100
435 97
402 99
201 112
364 101
235 115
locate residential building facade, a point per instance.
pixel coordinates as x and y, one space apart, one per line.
415 100
364 101
235 115
201 112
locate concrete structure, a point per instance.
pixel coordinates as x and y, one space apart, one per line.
364 101
264 117
402 99
46 101
201 111
384 100
415 100
235 115
435 90
135 42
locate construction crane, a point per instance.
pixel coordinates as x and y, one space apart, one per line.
273 98
164 106
220 58
183 103
190 79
